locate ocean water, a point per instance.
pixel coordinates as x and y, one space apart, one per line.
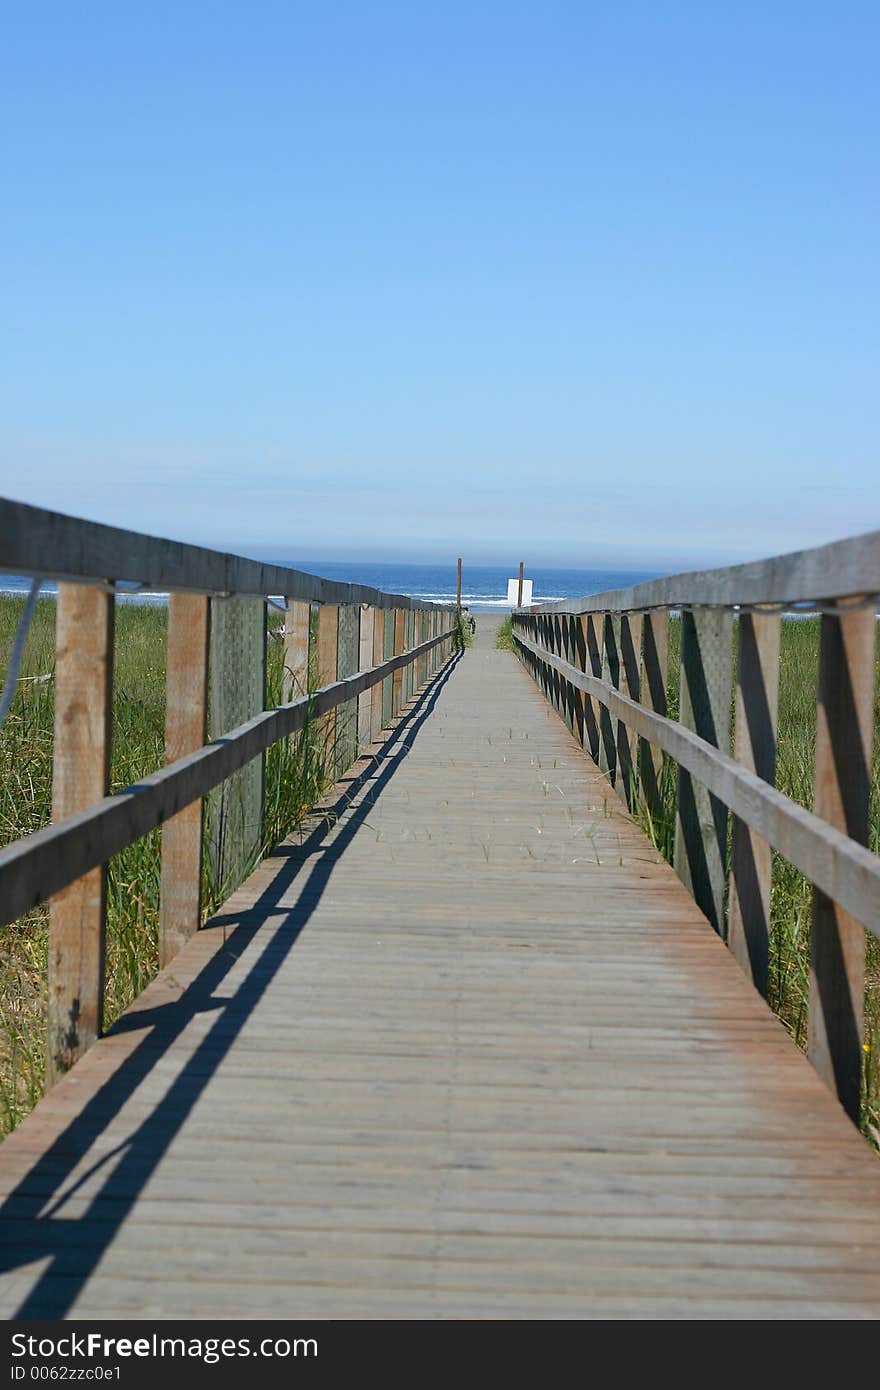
483 587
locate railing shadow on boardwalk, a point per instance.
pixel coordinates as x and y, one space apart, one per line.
30 1215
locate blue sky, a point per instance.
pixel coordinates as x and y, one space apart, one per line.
586 283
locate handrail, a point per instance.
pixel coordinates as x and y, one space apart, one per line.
367 650
35 868
845 870
34 541
602 662
838 570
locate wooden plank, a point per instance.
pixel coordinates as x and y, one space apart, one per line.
348 640
377 721
592 708
644 1142
654 677
458 588
388 654
365 661
839 570
757 699
80 775
844 736
327 649
838 865
579 661
186 729
296 650
36 541
399 647
611 676
34 869
705 699
234 813
630 684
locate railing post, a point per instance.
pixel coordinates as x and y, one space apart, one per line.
347 657
654 675
186 729
235 810
376 720
610 674
387 651
630 684
365 661
844 736
579 659
296 650
701 825
80 775
399 646
327 650
751 861
592 708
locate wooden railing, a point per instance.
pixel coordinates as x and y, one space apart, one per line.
371 650
602 662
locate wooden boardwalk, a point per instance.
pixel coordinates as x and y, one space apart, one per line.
472 1051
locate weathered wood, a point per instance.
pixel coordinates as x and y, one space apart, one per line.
611 675
654 676
844 736
80 775
365 661
376 691
388 653
579 660
757 698
186 729
399 646
700 857
519 587
630 684
838 570
458 588
326 652
592 708
348 641
234 814
337 1105
36 541
296 650
34 869
840 867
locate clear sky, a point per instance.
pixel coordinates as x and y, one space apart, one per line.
584 282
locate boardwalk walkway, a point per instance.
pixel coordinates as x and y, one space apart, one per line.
473 1051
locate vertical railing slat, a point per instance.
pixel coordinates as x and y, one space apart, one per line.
751 860
376 720
80 776
705 698
844 737
365 661
186 729
654 676
630 684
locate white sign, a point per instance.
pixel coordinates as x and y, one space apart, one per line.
513 592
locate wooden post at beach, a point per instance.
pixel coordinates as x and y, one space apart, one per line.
376 719
520 586
399 646
365 661
326 651
347 657
630 684
592 708
80 776
653 680
757 694
186 729
701 823
458 589
611 674
844 737
296 650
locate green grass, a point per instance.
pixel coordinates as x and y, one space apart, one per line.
504 636
297 773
